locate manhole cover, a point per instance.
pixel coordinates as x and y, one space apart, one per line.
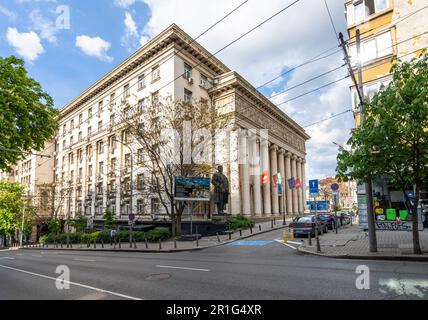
158 277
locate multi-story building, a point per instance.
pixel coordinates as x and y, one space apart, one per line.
93 148
390 30
35 173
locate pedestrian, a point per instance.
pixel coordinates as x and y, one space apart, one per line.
341 220
113 234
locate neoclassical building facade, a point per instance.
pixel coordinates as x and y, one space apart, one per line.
92 165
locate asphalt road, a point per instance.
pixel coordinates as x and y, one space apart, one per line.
261 271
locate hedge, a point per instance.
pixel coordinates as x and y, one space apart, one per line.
239 222
152 236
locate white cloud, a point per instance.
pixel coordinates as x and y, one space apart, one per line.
94 47
26 45
46 27
5 11
289 39
131 37
124 3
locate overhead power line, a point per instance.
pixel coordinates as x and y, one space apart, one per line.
327 119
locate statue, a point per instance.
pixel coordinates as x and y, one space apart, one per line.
221 190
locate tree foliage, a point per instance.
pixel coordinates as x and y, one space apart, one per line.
79 222
11 207
27 114
109 220
393 138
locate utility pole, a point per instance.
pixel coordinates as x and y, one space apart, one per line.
132 196
360 90
68 214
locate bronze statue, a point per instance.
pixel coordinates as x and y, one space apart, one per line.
221 190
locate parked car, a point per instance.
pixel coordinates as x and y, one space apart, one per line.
344 218
307 224
329 219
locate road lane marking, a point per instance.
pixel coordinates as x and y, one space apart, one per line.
85 260
182 268
286 244
6 258
72 283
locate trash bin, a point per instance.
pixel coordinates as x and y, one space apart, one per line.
391 214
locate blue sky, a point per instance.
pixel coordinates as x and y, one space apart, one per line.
103 33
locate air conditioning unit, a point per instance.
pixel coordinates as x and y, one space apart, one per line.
190 80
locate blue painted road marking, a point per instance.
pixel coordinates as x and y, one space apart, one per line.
255 243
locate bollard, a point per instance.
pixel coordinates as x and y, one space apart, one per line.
251 230
309 239
61 244
285 236
291 234
160 244
88 243
102 244
218 238
71 245
197 241
95 244
240 232
114 242
274 221
260 227
130 242
147 245
230 236
135 244
317 240
175 243
271 224
120 246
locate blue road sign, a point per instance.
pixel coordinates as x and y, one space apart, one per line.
313 186
335 187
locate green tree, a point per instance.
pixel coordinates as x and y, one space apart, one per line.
27 114
109 220
11 207
79 223
393 139
54 226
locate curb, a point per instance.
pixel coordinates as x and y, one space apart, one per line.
366 257
153 250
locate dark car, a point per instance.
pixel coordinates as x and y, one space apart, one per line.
329 219
307 224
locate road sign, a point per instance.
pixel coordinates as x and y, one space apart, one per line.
335 187
314 187
131 217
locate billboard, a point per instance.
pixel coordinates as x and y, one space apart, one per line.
321 206
192 189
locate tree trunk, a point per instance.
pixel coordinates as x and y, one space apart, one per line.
415 218
178 224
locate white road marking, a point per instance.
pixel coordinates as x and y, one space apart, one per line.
286 244
36 256
72 283
182 268
85 260
6 258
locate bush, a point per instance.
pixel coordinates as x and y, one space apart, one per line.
239 222
152 236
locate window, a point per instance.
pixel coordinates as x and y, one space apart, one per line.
64 145
155 73
89 131
126 92
71 140
90 113
113 165
360 10
187 96
101 168
71 125
80 118
89 152
71 158
127 161
90 170
375 48
80 155
140 155
100 125
100 106
187 71
80 136
141 105
140 182
100 147
127 112
155 98
112 142
140 207
112 99
80 173
112 120
141 82
204 81
64 129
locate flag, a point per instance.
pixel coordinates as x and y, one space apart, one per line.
298 183
265 178
291 183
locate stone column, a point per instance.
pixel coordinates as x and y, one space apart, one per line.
294 191
304 183
300 190
264 149
288 191
233 174
244 173
255 174
274 171
281 165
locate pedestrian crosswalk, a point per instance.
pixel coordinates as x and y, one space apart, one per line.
254 243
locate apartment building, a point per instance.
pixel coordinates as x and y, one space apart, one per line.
93 148
390 30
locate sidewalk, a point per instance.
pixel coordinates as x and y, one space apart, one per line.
353 243
170 246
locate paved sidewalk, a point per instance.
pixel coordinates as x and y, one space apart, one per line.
352 242
170 246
